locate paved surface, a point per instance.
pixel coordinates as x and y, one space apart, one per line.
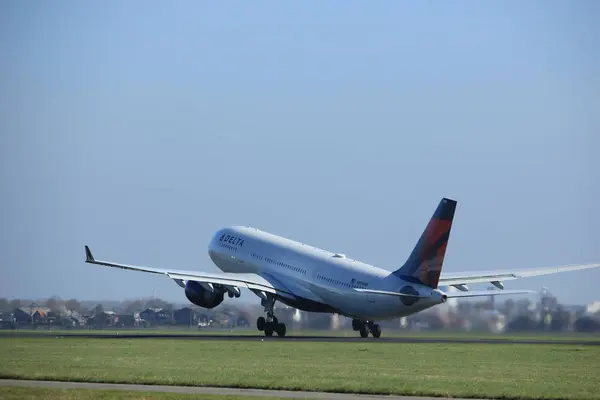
205 390
340 339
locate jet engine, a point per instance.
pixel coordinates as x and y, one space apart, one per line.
199 296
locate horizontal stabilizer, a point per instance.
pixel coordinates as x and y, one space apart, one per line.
507 275
487 293
414 296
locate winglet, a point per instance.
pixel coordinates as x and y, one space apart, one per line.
89 258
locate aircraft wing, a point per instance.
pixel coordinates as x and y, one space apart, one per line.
449 295
496 277
258 284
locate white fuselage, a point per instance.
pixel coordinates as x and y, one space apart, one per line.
319 280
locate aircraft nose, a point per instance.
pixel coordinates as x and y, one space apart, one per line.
213 246
213 242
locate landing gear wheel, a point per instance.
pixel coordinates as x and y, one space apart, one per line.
364 332
280 330
275 321
356 324
269 330
376 331
261 323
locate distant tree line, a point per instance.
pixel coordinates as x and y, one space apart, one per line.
131 306
56 303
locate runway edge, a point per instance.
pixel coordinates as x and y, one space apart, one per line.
205 390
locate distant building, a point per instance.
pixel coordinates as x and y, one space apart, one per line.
71 319
22 316
127 320
32 316
157 316
185 317
104 319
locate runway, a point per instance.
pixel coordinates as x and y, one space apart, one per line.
302 338
206 390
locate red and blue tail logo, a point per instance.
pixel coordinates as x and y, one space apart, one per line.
426 260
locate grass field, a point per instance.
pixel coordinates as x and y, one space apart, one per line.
14 393
455 370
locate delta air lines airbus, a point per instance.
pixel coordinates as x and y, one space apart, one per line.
314 280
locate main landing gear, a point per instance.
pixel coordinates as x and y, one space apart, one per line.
364 327
271 323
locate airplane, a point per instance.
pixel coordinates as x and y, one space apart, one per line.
310 279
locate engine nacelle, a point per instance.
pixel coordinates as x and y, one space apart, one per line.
199 296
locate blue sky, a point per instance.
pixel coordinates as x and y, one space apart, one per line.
142 129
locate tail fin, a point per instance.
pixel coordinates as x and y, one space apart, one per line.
425 261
